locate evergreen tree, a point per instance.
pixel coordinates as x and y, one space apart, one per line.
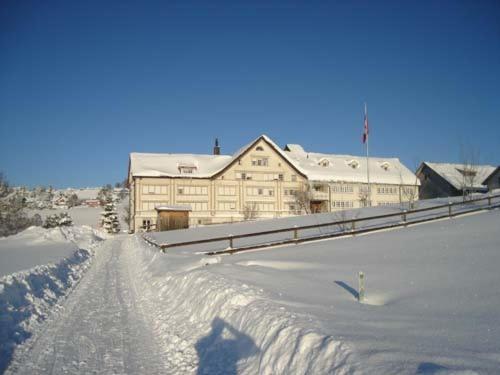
109 220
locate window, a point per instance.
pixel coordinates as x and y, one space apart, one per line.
294 177
353 164
281 177
243 176
146 224
192 190
260 191
324 162
260 162
259 148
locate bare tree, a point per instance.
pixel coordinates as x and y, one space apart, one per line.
469 169
364 196
250 211
303 199
342 217
409 193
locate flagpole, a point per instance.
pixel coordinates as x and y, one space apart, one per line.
369 201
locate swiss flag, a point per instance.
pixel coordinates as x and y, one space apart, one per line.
366 130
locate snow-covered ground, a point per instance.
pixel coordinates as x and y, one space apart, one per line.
39 267
81 215
432 305
432 299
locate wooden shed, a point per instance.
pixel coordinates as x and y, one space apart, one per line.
172 217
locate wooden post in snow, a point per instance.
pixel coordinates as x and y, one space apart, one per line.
230 241
295 233
361 283
449 209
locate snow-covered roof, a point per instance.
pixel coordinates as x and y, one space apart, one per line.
201 166
167 165
315 166
349 168
173 207
451 173
485 181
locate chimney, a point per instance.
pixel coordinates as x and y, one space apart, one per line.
216 147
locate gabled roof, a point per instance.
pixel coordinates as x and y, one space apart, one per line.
350 168
486 180
206 166
451 173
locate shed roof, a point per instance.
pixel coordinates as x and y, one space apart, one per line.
451 173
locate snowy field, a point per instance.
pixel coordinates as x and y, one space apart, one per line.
432 305
81 215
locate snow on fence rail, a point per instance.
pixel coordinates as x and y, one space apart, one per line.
302 233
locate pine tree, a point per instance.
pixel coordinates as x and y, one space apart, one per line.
109 220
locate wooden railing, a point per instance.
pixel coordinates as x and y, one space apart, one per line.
348 227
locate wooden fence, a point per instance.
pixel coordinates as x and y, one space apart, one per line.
348 227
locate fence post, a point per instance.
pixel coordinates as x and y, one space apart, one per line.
404 216
353 227
361 284
295 233
449 209
489 199
230 241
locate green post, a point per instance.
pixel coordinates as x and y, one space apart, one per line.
361 282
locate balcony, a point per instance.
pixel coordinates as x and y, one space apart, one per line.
319 195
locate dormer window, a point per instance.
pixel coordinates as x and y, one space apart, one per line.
385 166
324 162
187 168
259 148
353 164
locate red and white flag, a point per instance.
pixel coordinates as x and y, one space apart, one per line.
366 130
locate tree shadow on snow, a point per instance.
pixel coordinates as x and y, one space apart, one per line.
430 368
220 351
349 288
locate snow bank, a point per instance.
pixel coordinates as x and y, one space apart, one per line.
28 297
227 326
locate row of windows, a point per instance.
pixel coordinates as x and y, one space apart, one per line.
342 204
343 188
226 190
290 192
155 189
226 206
192 190
253 191
262 206
264 176
387 190
261 162
150 206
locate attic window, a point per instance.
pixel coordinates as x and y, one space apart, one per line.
353 164
187 168
324 162
259 148
385 166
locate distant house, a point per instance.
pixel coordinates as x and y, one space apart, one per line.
493 180
448 180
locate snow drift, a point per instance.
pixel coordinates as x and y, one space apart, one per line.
229 327
28 297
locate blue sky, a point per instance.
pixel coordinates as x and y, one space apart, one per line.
82 84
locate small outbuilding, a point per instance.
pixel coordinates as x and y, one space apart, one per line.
172 217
